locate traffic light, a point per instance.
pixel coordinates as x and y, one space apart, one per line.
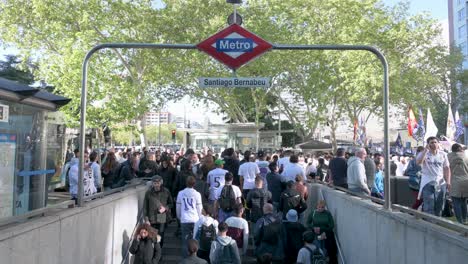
173 134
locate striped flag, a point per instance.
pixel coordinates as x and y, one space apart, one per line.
450 132
459 130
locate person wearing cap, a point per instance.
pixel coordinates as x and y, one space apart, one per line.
157 206
292 231
215 179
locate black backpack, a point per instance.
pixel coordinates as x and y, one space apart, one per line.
256 203
227 200
272 231
316 257
207 235
225 254
292 201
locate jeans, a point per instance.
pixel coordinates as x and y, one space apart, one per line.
186 230
433 198
459 206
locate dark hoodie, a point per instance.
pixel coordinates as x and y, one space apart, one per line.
292 240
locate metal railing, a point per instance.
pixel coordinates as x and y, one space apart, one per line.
37 212
66 204
453 226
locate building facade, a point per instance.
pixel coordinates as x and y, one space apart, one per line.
156 118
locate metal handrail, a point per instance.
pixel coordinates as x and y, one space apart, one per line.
338 245
140 217
112 191
456 227
36 212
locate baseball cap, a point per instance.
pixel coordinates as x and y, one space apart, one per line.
156 178
291 216
219 162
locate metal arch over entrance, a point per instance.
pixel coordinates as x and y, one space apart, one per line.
84 92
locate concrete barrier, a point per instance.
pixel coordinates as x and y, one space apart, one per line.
97 233
369 234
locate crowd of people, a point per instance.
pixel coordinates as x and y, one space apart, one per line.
218 201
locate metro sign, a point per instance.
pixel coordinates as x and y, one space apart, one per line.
234 46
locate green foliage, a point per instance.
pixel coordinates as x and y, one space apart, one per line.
12 68
124 84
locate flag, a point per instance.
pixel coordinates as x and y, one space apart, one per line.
459 130
398 142
419 130
412 123
431 129
450 132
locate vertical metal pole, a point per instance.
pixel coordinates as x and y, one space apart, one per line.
82 148
235 14
387 189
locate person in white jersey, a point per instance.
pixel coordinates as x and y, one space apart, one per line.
435 179
284 160
215 179
189 209
247 173
292 170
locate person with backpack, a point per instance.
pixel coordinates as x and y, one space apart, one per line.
157 206
224 248
188 208
226 198
204 232
145 245
309 253
263 167
291 199
274 184
192 248
256 199
268 235
238 229
292 231
321 222
216 179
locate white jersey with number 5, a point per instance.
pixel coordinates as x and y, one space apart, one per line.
189 205
216 181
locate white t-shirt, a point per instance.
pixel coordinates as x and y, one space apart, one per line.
216 181
291 171
237 192
189 205
242 224
249 171
432 168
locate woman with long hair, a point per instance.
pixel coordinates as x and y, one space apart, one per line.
110 170
145 245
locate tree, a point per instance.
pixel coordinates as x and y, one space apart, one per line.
12 68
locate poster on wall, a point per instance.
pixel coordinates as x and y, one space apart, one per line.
7 173
4 112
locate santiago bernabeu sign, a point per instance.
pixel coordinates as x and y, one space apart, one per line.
234 82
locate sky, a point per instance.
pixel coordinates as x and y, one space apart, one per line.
437 9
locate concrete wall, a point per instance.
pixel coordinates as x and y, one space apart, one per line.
96 233
369 234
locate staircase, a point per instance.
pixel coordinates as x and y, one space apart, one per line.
172 250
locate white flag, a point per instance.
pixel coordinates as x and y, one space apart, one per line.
450 133
431 129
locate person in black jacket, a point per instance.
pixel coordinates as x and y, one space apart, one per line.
157 206
145 245
231 164
293 230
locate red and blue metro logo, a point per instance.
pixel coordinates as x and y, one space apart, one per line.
234 46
